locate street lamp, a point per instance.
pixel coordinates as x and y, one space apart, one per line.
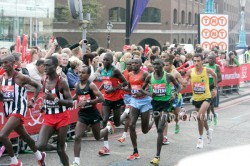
109 28
242 36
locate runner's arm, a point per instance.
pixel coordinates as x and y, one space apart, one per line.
64 88
180 80
97 93
27 80
121 77
146 83
219 77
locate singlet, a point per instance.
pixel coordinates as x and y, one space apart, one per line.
14 96
126 76
200 85
111 82
162 88
136 83
50 106
85 94
214 68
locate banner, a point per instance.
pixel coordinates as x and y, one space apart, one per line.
18 43
24 47
137 10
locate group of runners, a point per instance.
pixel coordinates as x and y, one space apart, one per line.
127 95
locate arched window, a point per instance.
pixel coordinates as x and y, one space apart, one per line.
189 18
196 19
175 16
183 17
195 42
174 41
189 41
182 40
117 14
151 14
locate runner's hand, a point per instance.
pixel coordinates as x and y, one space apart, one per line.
108 91
42 108
214 93
31 104
81 104
49 96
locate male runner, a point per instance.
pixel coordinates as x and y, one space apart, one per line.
126 99
14 96
57 98
201 94
140 104
169 68
87 95
162 96
216 68
113 81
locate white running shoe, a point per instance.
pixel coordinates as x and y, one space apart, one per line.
209 135
199 143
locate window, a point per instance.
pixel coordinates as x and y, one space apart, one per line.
182 17
151 14
196 19
175 16
174 41
182 40
189 18
189 41
117 14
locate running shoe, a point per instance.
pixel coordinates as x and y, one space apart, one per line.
104 151
199 143
65 147
209 136
165 140
177 129
155 161
112 127
215 119
75 164
42 161
122 139
133 156
18 164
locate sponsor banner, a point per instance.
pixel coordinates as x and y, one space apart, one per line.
213 31
230 76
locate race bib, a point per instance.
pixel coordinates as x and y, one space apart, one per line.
135 89
8 93
107 83
159 89
83 97
51 104
199 87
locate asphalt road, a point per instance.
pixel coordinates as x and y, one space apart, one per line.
233 129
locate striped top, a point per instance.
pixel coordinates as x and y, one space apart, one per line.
14 97
50 106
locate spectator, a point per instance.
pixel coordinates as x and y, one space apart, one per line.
72 74
33 55
77 52
3 51
100 50
36 72
13 48
247 55
19 66
67 51
223 58
177 60
64 62
88 61
232 61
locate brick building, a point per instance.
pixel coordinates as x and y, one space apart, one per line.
173 21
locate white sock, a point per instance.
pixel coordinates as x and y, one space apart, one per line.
106 144
127 110
124 134
38 155
109 128
13 160
208 131
200 137
77 160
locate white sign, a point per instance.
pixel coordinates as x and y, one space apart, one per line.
214 31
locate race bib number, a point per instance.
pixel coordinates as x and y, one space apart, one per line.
107 83
135 89
83 97
199 87
8 93
159 89
51 104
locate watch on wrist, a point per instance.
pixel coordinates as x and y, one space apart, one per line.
56 100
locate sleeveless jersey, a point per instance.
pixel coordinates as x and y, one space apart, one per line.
14 97
214 68
200 85
162 88
111 82
126 76
173 87
136 82
85 94
50 106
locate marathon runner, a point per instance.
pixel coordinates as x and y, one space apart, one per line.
199 76
88 95
57 98
14 97
140 105
162 97
113 81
